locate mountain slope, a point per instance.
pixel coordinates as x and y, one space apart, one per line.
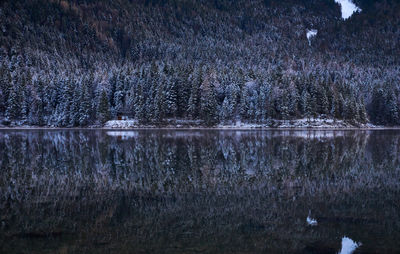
80 62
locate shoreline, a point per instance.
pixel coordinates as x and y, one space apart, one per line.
304 124
218 128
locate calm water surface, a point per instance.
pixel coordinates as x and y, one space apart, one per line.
85 191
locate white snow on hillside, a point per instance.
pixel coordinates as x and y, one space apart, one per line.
348 8
310 34
311 221
348 246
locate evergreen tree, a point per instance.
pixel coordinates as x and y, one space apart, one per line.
324 104
103 110
378 106
209 101
305 104
261 112
119 95
26 103
226 111
75 108
85 105
140 110
194 99
170 98
36 114
351 112
340 107
392 110
14 103
5 88
159 104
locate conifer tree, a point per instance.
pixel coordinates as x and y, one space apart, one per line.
85 105
226 110
14 103
208 101
103 111
170 98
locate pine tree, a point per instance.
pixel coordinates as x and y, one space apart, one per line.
209 108
208 101
119 95
193 103
305 104
75 108
26 103
183 90
5 88
14 103
351 112
103 110
391 109
340 107
293 100
170 98
378 106
362 112
85 105
36 114
67 98
140 110
244 106
324 104
191 109
159 104
261 106
226 111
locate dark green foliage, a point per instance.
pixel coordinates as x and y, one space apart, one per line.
103 110
385 106
14 103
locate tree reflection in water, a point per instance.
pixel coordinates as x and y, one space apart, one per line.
198 191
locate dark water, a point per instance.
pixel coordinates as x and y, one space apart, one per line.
199 191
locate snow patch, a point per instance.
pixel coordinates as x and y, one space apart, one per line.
294 123
348 246
348 8
311 221
122 124
321 122
310 34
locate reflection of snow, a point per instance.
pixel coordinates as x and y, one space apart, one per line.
122 134
348 246
348 8
311 221
250 172
310 34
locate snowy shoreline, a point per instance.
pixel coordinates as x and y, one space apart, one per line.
298 124
304 123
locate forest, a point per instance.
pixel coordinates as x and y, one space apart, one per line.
70 63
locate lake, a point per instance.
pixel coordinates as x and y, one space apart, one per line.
199 191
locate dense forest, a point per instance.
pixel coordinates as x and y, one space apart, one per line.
82 62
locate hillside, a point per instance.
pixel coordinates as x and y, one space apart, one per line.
83 62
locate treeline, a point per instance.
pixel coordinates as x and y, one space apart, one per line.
158 92
82 62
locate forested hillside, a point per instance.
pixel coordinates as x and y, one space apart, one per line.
82 62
